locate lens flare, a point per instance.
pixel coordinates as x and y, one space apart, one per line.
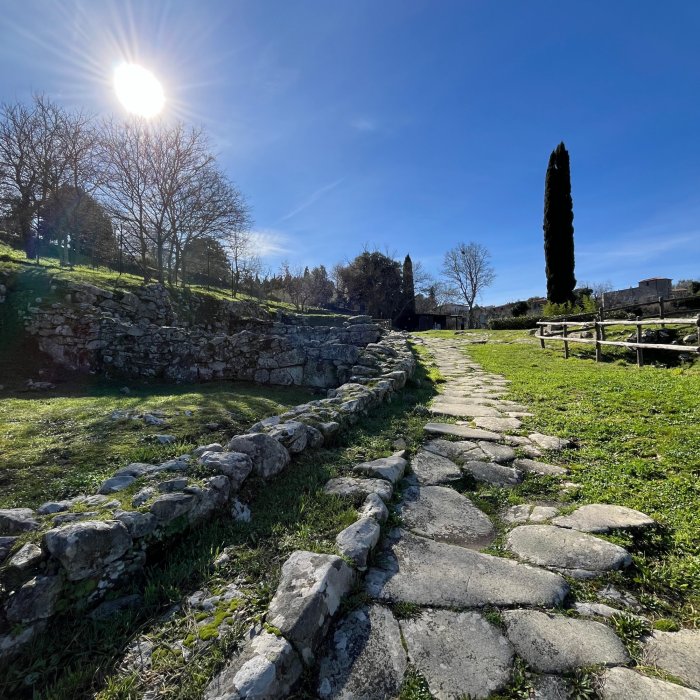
138 90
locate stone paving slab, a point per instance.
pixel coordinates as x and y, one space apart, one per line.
390 468
556 643
549 442
624 684
602 518
459 654
462 431
462 410
577 553
529 513
459 452
497 453
493 473
350 486
530 465
417 570
431 468
444 515
677 653
497 424
364 658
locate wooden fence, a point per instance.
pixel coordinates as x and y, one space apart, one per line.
599 340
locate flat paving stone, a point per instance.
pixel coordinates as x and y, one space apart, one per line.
390 468
677 653
418 570
350 486
577 553
601 517
556 643
458 654
363 657
463 431
549 442
547 687
444 515
625 684
493 473
466 410
459 452
531 465
497 424
431 468
529 513
496 452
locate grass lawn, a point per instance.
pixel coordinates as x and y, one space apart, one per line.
638 444
64 442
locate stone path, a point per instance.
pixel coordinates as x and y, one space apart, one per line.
460 616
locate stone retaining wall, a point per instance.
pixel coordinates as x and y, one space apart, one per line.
69 555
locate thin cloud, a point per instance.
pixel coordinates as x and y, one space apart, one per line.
269 242
312 199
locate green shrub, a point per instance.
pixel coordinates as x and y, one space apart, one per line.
513 323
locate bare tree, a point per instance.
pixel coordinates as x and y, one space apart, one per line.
467 267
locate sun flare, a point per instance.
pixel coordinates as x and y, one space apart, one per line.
138 90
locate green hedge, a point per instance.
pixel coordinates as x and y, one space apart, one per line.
514 323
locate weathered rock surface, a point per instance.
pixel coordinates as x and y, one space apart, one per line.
418 570
530 465
574 552
444 515
390 468
6 544
496 452
459 452
556 643
350 486
35 600
235 465
493 473
292 434
115 484
458 653
374 507
497 424
443 407
462 431
357 541
599 517
266 669
549 442
364 658
171 506
431 468
16 520
84 548
677 653
624 684
528 513
308 595
268 455
27 557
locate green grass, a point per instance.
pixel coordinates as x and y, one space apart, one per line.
63 442
638 445
80 658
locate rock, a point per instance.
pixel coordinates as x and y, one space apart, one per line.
497 424
492 473
150 419
496 452
357 541
459 452
166 439
462 431
374 507
350 486
292 434
625 684
135 469
266 668
431 468
16 520
85 548
530 465
116 483
549 442
574 552
51 507
364 658
171 506
35 600
390 468
172 485
138 524
417 570
268 455
444 515
603 518
461 409
527 513
459 653
601 610
142 496
6 545
556 643
115 606
551 688
212 447
27 557
677 653
240 511
308 595
235 465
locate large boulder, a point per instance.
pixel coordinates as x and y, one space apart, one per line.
235 465
84 548
268 456
35 600
292 434
16 520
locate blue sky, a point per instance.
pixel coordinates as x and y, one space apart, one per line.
413 125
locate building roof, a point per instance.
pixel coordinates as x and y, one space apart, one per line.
656 279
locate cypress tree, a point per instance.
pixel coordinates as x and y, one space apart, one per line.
559 228
408 291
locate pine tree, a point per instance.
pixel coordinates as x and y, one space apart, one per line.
408 291
559 228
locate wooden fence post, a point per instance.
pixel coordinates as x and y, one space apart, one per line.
542 337
598 348
640 352
661 310
566 344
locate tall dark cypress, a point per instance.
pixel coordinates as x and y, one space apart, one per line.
559 228
408 291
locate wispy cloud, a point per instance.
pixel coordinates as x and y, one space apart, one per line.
363 124
270 242
311 199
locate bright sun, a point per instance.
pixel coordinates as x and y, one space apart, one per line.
138 90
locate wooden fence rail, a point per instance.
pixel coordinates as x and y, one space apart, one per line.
599 340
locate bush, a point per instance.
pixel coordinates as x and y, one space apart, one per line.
513 323
587 305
